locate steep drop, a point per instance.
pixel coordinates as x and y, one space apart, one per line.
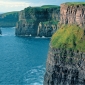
66 57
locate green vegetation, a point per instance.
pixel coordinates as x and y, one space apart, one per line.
54 22
10 13
69 37
50 6
75 3
43 10
8 19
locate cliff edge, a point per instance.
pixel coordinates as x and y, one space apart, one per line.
66 57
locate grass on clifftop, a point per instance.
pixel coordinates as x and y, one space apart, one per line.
69 37
75 3
53 22
50 6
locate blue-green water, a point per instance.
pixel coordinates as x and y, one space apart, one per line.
22 59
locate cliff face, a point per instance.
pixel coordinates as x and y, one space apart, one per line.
46 29
65 67
37 21
73 14
8 19
66 56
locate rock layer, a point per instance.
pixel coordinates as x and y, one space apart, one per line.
72 14
35 21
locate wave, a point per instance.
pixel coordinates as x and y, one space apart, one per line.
34 76
42 37
36 84
7 35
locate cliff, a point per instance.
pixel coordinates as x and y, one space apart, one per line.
73 13
38 21
8 19
66 56
65 67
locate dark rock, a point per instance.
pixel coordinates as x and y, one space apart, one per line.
65 69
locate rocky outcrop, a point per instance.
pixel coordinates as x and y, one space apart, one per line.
34 21
65 67
73 14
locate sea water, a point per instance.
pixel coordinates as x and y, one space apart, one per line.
22 59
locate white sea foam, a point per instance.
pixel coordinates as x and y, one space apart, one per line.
13 27
37 37
42 37
7 35
36 84
34 76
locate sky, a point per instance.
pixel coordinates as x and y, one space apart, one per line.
17 5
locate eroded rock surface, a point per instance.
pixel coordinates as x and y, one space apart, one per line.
72 14
65 67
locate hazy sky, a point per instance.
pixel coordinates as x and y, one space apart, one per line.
16 5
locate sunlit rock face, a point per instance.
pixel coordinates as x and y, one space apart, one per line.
73 14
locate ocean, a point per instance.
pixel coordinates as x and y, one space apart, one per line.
22 59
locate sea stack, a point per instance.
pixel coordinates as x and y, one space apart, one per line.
66 57
38 21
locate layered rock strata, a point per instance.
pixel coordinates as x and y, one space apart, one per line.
73 14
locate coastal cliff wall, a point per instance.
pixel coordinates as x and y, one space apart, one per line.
66 57
73 14
38 21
